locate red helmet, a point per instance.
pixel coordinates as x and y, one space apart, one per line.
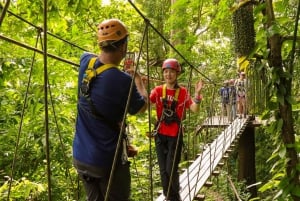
172 64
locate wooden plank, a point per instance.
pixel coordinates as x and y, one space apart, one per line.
196 175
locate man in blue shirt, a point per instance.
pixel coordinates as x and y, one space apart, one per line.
101 107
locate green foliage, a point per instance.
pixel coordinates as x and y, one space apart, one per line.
23 190
200 30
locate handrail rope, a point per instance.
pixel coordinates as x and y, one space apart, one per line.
47 136
211 169
189 87
135 167
41 29
215 150
138 176
149 111
38 51
199 166
60 136
205 144
197 178
123 124
198 175
214 154
21 120
193 151
4 11
167 41
188 148
211 114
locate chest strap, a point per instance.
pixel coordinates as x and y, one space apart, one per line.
164 98
91 73
88 77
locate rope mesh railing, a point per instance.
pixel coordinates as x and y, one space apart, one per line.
229 133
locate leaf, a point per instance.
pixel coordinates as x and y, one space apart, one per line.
296 191
282 152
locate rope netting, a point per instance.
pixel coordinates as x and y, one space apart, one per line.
204 148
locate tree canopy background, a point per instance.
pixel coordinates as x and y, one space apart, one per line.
202 31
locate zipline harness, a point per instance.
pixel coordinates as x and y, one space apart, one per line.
169 111
169 114
90 74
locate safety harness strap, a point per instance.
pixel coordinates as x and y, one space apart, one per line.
164 92
165 101
89 75
169 112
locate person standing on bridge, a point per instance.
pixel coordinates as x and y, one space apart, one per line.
171 100
102 100
225 100
241 90
232 101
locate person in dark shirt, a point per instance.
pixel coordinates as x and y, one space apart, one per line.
232 101
100 114
225 100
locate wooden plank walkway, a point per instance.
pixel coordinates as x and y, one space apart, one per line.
194 178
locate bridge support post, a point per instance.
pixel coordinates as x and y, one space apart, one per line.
246 159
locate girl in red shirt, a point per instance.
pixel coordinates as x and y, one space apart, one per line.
170 101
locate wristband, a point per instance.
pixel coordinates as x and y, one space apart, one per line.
198 99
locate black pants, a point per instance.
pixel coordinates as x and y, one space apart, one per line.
168 161
96 187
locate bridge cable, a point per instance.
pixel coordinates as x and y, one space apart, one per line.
21 122
123 121
167 41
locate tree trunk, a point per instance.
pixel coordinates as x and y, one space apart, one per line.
246 159
285 108
244 43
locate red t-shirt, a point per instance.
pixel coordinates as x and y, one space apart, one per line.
184 101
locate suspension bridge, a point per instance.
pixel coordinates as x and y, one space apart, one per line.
197 174
203 167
